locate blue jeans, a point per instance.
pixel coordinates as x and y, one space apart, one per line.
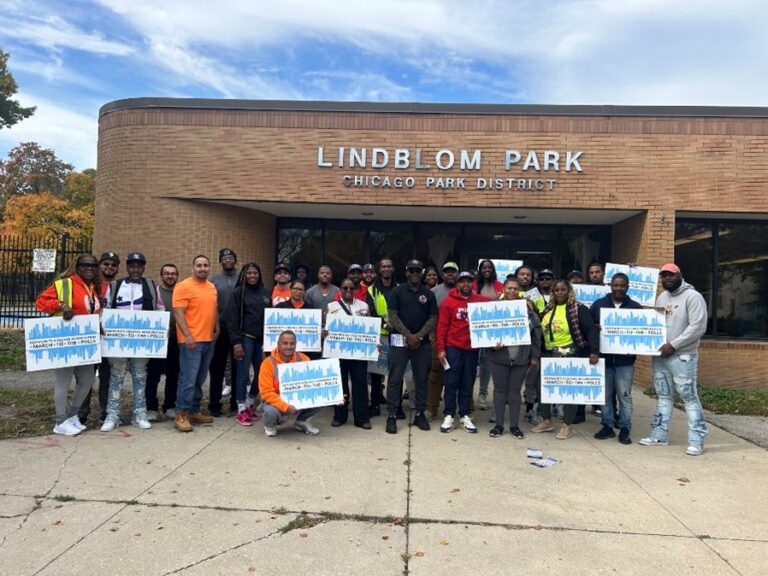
193 370
459 380
251 357
677 373
138 369
618 380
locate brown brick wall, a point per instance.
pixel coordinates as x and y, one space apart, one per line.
157 167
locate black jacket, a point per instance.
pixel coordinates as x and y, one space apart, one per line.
245 314
613 360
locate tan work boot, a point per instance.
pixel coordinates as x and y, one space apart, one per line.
565 432
200 418
182 421
543 426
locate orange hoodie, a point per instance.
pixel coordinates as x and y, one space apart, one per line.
269 387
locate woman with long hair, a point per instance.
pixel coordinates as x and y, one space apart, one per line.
75 292
487 284
245 322
569 331
510 365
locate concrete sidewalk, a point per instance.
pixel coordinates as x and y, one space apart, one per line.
227 500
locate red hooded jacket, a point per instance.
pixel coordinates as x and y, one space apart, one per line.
453 321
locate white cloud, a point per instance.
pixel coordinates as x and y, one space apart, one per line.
71 134
54 32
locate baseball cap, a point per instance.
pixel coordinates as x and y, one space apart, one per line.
670 267
450 266
546 272
414 264
368 267
110 256
227 252
283 266
136 257
465 276
354 267
574 273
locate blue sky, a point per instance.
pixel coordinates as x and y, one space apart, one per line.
71 57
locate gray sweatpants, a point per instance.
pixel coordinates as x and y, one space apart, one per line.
272 416
85 377
507 382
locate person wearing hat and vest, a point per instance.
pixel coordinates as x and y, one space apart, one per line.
223 366
454 348
276 408
133 292
109 265
546 279
412 309
675 369
281 291
74 293
379 293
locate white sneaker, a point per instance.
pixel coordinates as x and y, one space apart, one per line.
650 441
447 424
695 450
75 421
109 424
170 413
66 428
307 427
142 423
270 430
152 415
227 390
469 426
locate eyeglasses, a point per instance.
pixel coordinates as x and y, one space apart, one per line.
414 270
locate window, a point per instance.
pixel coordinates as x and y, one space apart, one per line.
728 263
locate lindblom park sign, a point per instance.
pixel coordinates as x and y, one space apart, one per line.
379 167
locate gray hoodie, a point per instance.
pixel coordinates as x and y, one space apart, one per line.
686 314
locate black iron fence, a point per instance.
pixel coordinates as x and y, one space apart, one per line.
19 285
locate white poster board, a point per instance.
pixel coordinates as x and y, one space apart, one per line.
572 381
57 343
504 321
588 293
642 281
311 384
305 323
627 331
134 333
352 337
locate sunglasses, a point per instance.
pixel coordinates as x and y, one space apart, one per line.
347 288
81 265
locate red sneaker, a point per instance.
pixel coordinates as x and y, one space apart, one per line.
243 418
252 414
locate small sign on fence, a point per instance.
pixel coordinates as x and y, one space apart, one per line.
44 260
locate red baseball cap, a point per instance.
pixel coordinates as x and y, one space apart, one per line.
670 267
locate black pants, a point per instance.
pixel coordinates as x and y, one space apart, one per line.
221 351
357 372
421 359
168 366
85 407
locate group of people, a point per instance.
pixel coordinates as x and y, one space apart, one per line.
217 325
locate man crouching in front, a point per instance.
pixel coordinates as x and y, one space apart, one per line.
275 408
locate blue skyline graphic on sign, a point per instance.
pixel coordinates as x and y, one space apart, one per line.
65 351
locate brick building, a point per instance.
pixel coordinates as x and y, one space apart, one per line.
555 186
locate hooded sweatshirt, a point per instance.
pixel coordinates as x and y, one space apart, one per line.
453 321
686 314
269 385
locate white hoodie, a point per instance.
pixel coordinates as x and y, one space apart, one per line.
686 314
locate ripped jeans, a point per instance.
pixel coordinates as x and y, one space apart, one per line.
677 373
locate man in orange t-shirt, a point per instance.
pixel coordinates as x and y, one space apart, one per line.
197 327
